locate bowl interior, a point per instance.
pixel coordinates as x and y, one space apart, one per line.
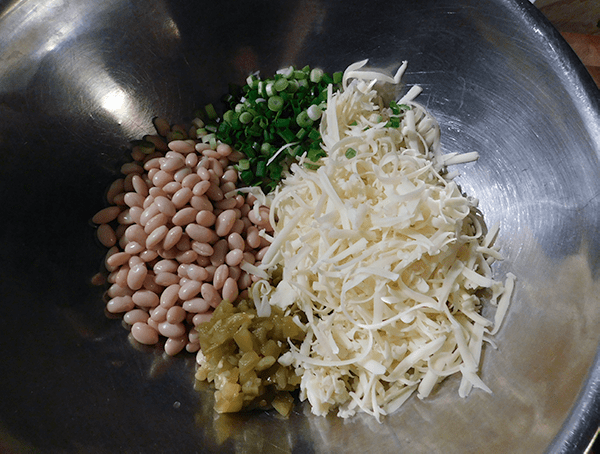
79 80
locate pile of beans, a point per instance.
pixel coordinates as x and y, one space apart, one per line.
178 233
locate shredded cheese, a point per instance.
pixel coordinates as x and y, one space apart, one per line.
383 257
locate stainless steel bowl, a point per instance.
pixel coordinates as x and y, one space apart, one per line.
79 79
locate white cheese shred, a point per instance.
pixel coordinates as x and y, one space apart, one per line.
383 257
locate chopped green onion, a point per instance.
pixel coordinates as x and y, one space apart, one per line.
198 123
208 137
275 172
281 84
247 176
314 135
282 122
245 117
248 151
261 168
393 123
266 148
301 134
314 112
314 155
261 88
286 72
211 112
228 116
293 86
262 121
299 75
272 121
244 164
254 131
310 166
287 135
303 120
145 146
275 103
235 123
350 153
316 75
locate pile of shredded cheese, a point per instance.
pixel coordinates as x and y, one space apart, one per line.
383 256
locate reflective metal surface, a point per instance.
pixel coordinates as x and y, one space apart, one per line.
79 79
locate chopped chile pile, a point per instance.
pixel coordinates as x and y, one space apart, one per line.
311 238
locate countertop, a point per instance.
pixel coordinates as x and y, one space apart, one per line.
587 48
579 23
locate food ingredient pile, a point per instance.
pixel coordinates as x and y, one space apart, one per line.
359 278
